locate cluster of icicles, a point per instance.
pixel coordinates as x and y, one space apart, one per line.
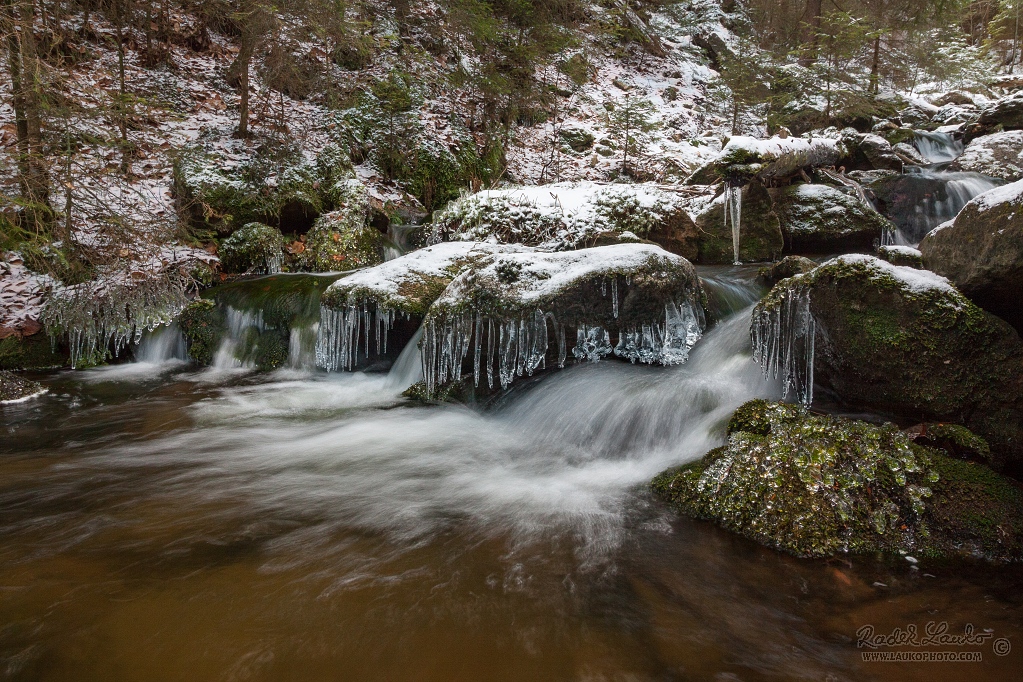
342 332
501 348
783 340
107 316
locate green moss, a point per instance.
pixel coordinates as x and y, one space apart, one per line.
957 441
253 248
204 327
815 485
270 351
31 352
343 239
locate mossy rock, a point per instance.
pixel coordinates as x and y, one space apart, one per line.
901 255
343 239
15 388
957 441
32 352
981 251
253 248
204 326
789 266
760 235
905 342
816 486
824 219
217 199
577 139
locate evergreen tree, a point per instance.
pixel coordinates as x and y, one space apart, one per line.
630 125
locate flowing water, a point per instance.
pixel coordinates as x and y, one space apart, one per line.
924 197
167 523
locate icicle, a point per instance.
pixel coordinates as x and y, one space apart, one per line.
592 343
490 353
733 215
783 343
614 296
342 331
477 345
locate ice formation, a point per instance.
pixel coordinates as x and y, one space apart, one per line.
783 343
733 214
345 332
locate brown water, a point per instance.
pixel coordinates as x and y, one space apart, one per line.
158 523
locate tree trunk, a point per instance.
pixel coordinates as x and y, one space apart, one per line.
122 95
18 93
38 184
241 68
812 30
875 65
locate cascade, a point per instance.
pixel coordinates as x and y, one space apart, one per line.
733 214
240 342
937 147
783 343
164 343
408 368
923 198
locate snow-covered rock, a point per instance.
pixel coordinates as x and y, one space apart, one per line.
899 340
982 251
572 215
777 157
998 155
824 219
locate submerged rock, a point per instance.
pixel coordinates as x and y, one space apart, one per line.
815 486
981 251
897 340
760 234
14 388
203 326
572 215
824 219
999 155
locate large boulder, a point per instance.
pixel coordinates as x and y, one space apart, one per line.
895 340
760 234
1006 112
981 251
745 158
817 486
998 155
572 215
254 248
525 307
868 152
825 219
516 307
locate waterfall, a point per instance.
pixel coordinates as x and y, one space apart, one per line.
163 344
783 343
923 198
238 347
733 214
408 368
937 147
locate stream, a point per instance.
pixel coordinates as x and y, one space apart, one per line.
164 522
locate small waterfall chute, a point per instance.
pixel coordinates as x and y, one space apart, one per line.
937 147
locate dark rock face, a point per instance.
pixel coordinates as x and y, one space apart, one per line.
1006 112
982 251
817 486
760 235
901 255
905 342
824 219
